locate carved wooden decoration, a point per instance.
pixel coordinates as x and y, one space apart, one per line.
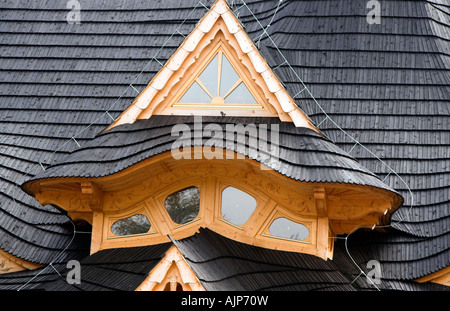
218 32
10 263
324 209
92 196
172 273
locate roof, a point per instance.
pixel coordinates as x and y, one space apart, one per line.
220 263
303 154
385 85
112 269
224 264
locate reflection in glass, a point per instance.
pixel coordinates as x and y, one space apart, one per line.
209 76
195 94
285 228
135 224
229 77
240 95
237 206
183 205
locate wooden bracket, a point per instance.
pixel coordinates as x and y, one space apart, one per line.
320 198
92 195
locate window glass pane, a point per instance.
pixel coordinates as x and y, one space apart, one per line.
208 81
209 76
285 228
195 94
132 225
183 206
237 205
228 77
240 95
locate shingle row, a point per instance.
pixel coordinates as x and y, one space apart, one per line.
303 154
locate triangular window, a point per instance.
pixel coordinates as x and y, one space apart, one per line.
218 84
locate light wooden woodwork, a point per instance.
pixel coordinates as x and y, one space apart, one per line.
171 273
172 106
439 277
326 209
10 263
217 32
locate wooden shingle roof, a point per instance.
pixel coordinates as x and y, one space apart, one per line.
386 85
303 154
109 270
221 264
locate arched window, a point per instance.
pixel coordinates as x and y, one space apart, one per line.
183 206
237 206
136 224
288 229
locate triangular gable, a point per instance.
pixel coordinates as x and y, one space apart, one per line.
217 33
172 273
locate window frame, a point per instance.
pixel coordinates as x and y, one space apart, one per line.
254 231
309 223
160 199
220 48
126 214
221 185
219 72
196 217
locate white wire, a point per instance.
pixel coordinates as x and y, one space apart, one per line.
54 260
270 23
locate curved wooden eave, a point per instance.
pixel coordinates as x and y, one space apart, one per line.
86 195
10 263
439 277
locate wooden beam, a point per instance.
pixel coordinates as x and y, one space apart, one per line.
97 231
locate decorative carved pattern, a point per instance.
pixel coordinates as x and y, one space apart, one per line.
92 195
340 208
169 272
321 202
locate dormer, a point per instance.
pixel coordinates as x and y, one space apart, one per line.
217 70
250 164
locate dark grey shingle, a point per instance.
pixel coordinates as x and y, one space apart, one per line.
372 73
